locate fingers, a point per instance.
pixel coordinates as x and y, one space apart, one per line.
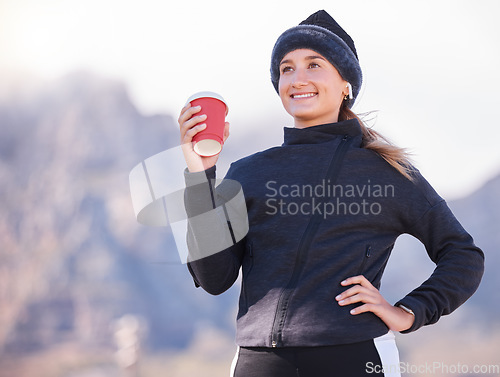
361 291
187 112
190 124
356 294
226 132
188 119
359 279
189 134
363 309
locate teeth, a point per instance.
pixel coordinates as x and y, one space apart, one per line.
303 95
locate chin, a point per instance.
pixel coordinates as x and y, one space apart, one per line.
303 116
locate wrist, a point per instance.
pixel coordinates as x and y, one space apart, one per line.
406 309
407 317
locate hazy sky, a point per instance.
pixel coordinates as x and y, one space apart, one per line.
431 68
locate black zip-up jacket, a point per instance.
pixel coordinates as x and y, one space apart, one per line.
321 209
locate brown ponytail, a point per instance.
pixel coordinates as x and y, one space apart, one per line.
395 156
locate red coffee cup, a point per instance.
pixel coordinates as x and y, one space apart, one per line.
209 141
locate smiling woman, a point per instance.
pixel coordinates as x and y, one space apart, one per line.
312 266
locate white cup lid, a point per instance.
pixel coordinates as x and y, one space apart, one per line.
210 95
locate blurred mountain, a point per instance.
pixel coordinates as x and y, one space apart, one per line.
73 260
72 257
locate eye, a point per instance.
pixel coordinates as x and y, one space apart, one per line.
314 65
286 68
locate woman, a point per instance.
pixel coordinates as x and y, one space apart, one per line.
324 212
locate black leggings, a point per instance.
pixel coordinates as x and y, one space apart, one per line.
350 360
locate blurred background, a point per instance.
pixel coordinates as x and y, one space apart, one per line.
90 89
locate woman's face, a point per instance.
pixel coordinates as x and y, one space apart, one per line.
310 87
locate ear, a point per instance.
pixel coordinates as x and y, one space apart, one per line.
345 91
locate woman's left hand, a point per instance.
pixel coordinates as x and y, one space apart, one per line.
363 291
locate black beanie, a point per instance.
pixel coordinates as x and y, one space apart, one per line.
321 33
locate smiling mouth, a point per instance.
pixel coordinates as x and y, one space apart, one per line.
303 95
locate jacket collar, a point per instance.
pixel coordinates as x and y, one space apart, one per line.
321 133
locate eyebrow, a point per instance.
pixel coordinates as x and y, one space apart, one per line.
311 57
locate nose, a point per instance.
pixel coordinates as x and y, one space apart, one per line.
299 78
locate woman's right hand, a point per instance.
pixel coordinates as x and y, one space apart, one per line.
190 124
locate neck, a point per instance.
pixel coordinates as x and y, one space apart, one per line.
301 123
310 121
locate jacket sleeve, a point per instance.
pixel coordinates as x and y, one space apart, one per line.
459 266
212 267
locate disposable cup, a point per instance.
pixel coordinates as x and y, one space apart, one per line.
209 141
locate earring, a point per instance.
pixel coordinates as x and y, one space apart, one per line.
349 87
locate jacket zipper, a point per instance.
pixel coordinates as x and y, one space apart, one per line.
368 253
305 242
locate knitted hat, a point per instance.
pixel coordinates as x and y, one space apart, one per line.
321 33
